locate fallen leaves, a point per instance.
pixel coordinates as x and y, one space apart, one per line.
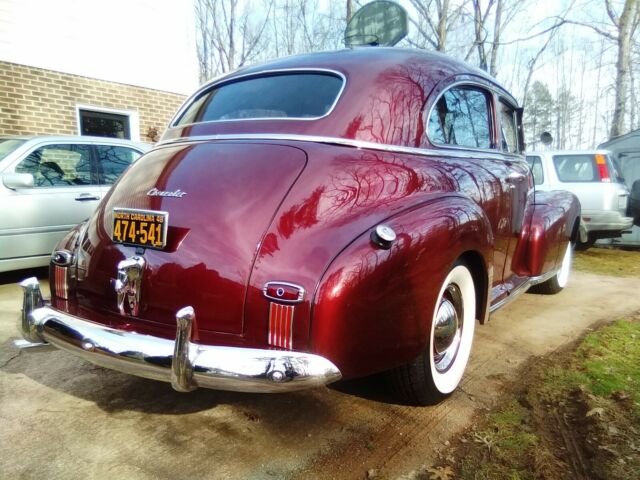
440 473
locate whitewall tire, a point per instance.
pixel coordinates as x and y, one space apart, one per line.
439 368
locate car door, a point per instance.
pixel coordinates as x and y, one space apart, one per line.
462 121
65 192
112 161
517 184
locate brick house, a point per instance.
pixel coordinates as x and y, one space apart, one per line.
38 101
113 85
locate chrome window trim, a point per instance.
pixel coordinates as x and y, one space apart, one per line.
221 81
359 144
468 83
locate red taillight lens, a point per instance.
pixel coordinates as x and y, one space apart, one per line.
603 169
61 274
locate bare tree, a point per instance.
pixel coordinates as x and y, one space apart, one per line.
620 32
435 20
301 26
488 25
229 36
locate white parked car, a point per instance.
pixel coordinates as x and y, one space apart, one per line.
593 177
50 184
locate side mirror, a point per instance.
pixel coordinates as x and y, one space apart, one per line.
17 180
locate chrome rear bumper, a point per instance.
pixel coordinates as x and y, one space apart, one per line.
184 364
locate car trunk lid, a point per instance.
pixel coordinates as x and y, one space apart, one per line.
220 198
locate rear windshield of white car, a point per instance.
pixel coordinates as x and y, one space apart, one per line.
8 145
297 95
582 168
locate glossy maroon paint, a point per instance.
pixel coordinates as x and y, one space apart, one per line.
261 210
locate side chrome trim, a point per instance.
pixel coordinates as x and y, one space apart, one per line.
184 364
217 82
522 289
431 152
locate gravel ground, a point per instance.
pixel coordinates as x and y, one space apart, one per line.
64 418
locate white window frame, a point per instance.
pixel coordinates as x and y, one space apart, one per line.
134 118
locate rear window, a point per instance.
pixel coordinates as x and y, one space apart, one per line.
576 168
304 95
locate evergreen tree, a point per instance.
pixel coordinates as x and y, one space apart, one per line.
538 114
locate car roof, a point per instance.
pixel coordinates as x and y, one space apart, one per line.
375 79
367 61
568 152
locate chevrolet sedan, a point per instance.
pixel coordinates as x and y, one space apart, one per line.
319 217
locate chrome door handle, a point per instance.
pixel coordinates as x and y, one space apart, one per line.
86 197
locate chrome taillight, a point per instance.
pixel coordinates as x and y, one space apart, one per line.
62 273
67 264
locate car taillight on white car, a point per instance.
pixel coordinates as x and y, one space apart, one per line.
603 168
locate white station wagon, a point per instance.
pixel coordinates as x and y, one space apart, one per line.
592 177
50 184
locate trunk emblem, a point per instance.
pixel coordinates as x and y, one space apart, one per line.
154 192
127 285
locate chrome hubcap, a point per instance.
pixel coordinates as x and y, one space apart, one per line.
448 329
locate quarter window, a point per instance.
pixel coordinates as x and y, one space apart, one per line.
113 160
58 165
508 128
461 117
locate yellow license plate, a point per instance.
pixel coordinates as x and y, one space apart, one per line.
142 228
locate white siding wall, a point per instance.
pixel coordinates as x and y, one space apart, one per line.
148 43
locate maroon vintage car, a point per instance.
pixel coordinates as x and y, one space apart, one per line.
318 217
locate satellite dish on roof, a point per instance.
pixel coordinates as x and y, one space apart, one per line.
380 22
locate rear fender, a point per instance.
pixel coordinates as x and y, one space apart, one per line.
373 307
550 222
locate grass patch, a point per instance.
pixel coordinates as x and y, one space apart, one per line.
573 414
608 261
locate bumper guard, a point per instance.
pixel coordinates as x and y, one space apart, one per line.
184 364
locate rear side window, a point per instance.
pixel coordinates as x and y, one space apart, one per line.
576 168
113 160
461 117
58 165
508 128
292 96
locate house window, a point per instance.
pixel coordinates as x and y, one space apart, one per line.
104 124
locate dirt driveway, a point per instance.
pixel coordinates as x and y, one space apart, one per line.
64 418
